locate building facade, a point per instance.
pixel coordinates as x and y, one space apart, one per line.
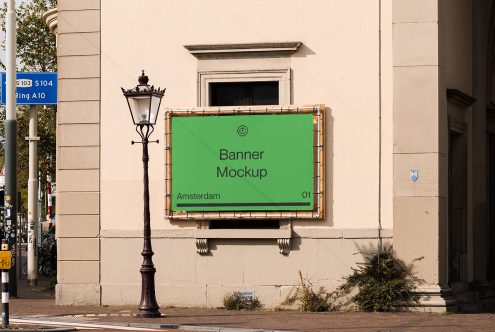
409 143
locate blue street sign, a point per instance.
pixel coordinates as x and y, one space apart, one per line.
34 88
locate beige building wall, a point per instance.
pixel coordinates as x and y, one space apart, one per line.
329 70
381 68
343 80
78 153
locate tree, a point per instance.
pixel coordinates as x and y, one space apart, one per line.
36 52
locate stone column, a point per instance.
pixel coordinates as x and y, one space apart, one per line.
78 153
420 144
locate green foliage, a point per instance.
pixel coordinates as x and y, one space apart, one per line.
36 52
53 283
46 145
309 300
36 49
384 283
235 301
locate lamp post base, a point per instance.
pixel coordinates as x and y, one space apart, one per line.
148 307
147 313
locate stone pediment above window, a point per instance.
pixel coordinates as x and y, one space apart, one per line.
460 97
272 49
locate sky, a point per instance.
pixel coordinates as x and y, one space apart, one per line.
2 35
2 50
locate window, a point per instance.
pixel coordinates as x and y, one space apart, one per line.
244 93
244 88
241 63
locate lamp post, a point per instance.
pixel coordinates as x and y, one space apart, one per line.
144 104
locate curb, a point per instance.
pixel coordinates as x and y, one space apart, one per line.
204 328
214 328
55 329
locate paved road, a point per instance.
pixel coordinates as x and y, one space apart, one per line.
216 319
80 326
38 304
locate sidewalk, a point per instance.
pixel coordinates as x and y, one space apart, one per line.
39 302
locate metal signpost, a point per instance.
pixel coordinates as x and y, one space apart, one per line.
5 265
33 89
10 224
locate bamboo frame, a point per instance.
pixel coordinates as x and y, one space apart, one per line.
319 163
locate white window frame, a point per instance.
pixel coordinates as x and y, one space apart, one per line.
282 76
248 62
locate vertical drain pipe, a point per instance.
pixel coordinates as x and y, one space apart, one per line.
380 244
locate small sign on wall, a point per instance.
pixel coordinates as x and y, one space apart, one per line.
414 175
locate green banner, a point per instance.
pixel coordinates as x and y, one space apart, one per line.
242 163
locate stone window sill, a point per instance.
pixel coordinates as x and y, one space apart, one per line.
283 237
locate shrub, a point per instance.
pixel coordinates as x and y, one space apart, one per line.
307 298
235 301
384 283
53 283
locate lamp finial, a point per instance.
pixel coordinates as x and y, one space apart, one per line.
143 79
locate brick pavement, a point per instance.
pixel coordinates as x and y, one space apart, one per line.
40 302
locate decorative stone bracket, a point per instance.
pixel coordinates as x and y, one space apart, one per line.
202 246
283 237
284 246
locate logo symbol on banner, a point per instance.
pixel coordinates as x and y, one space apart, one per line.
242 130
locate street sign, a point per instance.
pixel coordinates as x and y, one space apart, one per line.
5 260
261 162
34 88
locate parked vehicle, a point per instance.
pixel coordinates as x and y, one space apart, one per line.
47 255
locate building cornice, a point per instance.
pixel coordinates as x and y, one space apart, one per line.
245 49
51 20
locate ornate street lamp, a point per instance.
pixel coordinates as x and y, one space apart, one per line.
144 104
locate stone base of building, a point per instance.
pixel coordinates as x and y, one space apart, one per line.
204 296
435 298
77 294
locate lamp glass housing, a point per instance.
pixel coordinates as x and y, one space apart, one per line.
144 107
155 107
144 102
